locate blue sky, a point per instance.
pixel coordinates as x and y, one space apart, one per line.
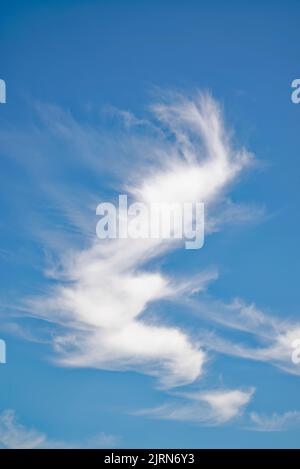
78 125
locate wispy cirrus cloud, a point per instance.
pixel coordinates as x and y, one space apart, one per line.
273 337
14 435
103 290
213 407
274 422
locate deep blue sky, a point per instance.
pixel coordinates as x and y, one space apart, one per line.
84 56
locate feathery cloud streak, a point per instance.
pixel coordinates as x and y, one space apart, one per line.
103 290
14 435
214 407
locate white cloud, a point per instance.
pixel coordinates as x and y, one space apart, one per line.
274 337
14 435
214 407
103 291
275 422
226 405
